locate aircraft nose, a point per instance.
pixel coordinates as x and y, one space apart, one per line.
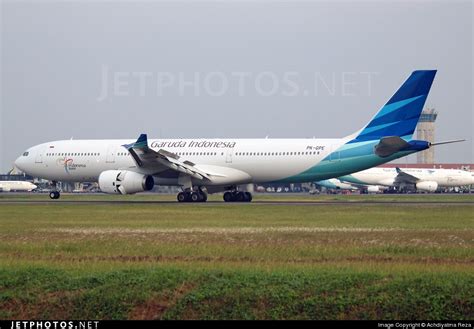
19 163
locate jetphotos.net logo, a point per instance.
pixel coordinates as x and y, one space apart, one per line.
76 324
235 83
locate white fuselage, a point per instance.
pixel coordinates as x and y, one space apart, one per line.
20 186
387 176
264 160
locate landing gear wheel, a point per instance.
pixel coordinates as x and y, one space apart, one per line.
202 196
182 197
248 197
54 195
240 197
228 197
195 197
237 196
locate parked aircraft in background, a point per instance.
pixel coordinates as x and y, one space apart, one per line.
20 186
212 165
427 180
336 184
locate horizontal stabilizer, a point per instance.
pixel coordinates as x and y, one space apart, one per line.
389 145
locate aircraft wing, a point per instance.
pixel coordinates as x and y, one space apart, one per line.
161 160
403 177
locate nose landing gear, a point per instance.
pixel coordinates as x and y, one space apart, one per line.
54 194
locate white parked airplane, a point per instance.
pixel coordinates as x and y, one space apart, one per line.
336 184
20 186
427 180
125 166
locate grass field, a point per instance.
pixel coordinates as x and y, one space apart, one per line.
153 260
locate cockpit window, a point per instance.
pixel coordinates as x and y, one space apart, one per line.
26 154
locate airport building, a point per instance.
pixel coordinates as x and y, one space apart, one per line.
425 130
15 177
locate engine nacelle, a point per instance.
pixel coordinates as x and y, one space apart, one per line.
124 182
428 186
373 189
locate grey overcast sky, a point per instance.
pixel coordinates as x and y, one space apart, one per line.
227 69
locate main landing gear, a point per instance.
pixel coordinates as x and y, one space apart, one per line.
54 194
237 196
194 196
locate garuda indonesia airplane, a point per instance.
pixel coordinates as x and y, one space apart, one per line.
202 166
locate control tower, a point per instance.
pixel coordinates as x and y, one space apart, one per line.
425 130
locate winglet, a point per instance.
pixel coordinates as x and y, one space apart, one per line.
141 143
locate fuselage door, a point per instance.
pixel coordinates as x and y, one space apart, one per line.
39 155
110 154
228 158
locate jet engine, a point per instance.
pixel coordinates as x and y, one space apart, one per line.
124 182
427 186
373 189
